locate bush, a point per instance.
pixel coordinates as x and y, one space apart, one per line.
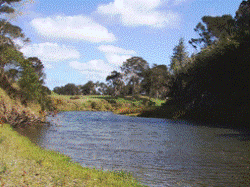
93 105
75 97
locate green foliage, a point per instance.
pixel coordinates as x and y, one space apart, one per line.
116 82
29 83
9 55
68 89
133 70
242 16
88 88
155 82
179 58
215 28
75 97
93 105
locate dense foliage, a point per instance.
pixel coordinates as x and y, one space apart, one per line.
214 85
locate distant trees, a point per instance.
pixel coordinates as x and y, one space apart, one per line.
156 81
88 89
71 89
133 70
68 89
115 82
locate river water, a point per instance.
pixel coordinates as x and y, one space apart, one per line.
158 152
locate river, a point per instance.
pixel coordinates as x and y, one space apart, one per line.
159 152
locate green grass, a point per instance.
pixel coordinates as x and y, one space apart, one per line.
121 105
25 164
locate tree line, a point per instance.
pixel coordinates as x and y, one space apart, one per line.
136 77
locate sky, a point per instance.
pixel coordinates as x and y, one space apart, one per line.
83 40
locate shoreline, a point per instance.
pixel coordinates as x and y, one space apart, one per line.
24 163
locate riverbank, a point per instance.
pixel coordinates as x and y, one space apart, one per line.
127 105
25 164
218 117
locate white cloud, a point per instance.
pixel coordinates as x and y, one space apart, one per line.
116 55
98 66
117 59
114 49
177 2
50 52
140 13
95 70
72 27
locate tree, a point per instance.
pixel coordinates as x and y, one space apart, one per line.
212 29
38 66
58 90
242 16
5 6
8 32
116 82
179 58
29 83
102 88
70 89
133 70
156 80
88 88
9 55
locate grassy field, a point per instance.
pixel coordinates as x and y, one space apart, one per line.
24 164
121 105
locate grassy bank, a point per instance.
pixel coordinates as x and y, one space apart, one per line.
121 105
24 164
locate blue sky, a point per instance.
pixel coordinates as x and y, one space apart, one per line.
79 40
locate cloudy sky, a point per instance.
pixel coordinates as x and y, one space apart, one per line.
82 40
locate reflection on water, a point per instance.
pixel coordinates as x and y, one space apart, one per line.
158 152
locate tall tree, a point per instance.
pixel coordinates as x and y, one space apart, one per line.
8 32
133 70
29 83
179 58
38 66
88 88
156 80
102 88
70 89
116 82
242 16
211 29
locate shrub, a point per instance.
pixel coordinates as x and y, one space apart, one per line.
75 97
93 105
